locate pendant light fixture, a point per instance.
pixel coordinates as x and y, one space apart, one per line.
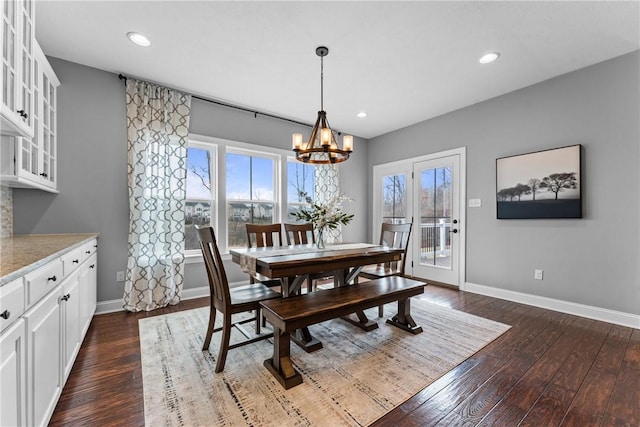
322 148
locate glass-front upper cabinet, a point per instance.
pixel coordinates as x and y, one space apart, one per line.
31 162
16 98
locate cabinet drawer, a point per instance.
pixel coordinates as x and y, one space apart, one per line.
43 280
89 249
71 261
11 302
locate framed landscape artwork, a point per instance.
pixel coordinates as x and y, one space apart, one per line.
544 184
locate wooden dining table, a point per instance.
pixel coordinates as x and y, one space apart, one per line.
293 264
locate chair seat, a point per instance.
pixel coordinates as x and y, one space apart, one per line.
377 271
252 293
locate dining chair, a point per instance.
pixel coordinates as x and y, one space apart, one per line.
260 236
229 301
395 236
302 234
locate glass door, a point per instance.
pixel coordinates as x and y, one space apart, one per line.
436 236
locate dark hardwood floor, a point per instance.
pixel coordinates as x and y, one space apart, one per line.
549 369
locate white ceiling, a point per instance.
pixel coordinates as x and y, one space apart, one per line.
402 62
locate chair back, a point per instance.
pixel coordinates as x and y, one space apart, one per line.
262 235
298 234
396 236
218 285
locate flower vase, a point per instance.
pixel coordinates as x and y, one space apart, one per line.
320 238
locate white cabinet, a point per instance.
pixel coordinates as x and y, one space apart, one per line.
12 375
31 162
18 37
44 348
44 316
88 292
71 326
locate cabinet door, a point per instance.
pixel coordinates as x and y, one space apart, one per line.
12 376
46 118
71 303
88 291
9 33
18 36
44 340
25 86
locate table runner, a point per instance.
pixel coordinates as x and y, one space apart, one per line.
248 260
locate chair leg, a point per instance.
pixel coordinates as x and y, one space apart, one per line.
224 343
212 321
381 311
259 320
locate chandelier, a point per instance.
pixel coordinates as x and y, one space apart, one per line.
322 148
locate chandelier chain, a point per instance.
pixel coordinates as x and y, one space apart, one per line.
322 83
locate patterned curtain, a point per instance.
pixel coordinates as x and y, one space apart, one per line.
327 186
157 133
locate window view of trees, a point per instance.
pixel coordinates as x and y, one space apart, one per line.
435 215
394 199
300 187
199 205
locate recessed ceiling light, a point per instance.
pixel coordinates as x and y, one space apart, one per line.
489 57
362 114
138 39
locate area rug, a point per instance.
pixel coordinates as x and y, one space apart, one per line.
355 379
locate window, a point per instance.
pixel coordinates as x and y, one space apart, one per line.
230 184
300 187
394 199
250 193
200 203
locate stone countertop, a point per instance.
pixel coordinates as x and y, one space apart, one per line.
22 254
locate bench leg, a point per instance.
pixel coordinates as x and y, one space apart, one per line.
280 364
363 322
403 319
303 338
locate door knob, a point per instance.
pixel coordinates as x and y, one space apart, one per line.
455 230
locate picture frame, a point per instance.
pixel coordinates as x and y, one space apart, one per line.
541 184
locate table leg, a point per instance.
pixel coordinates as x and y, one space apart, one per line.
343 278
403 319
280 364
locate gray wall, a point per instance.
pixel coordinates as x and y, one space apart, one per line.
592 261
92 156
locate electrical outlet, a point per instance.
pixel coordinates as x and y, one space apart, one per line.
475 203
537 274
120 276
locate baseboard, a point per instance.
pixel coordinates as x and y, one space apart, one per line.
112 306
596 313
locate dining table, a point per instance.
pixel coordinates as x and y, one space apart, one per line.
292 265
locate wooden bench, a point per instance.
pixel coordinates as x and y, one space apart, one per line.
288 314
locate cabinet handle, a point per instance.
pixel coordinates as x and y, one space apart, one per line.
87 252
5 314
75 261
52 278
66 297
44 175
95 246
92 266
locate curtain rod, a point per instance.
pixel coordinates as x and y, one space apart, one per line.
237 107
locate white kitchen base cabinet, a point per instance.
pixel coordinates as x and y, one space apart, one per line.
12 376
45 312
44 346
